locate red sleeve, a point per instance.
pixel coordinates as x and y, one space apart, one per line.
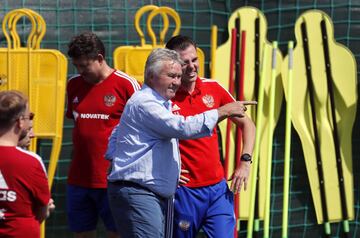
225 96
129 87
133 87
39 184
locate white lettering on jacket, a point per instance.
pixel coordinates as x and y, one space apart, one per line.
9 196
94 116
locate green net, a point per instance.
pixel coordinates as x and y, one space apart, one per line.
112 20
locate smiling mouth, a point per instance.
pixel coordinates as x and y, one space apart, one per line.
192 73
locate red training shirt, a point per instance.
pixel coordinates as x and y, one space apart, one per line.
23 190
96 110
201 156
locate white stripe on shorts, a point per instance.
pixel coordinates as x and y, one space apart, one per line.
169 217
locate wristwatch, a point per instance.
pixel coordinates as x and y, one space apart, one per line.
246 157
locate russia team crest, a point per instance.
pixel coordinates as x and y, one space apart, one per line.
109 100
208 100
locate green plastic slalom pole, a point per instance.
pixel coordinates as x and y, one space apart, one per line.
259 116
287 142
270 141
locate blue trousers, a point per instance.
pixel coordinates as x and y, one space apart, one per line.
85 206
210 208
137 211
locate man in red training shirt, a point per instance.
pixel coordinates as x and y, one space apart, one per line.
203 199
24 191
95 101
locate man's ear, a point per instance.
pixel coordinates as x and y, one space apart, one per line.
100 58
150 79
20 123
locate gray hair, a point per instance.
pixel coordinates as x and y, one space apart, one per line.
156 59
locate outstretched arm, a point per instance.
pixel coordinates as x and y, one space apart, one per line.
234 109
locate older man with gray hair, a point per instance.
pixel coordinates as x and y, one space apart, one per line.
143 148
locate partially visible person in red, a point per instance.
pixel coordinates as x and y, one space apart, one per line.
24 143
25 139
24 192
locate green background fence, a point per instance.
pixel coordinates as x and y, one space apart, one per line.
112 20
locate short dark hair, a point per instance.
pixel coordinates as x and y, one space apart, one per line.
180 42
87 44
12 106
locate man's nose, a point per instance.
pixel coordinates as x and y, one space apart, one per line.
191 65
178 80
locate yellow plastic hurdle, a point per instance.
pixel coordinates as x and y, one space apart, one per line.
131 59
41 75
331 204
249 18
38 73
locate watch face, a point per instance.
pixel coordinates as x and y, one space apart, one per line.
246 157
